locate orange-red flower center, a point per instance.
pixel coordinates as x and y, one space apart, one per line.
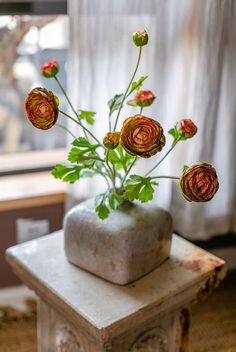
141 135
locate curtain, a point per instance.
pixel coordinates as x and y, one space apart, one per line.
190 61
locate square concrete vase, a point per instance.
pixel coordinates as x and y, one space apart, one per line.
129 244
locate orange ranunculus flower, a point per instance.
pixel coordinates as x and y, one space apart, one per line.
111 140
50 69
199 183
142 98
142 136
188 128
42 108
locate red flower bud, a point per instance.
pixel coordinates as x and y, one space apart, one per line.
111 140
199 183
142 136
142 98
188 128
42 108
140 38
50 69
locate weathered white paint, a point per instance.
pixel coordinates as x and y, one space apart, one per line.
80 312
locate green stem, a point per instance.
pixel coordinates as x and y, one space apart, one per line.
141 110
127 90
171 177
109 122
160 161
102 174
66 129
86 129
69 102
112 174
128 171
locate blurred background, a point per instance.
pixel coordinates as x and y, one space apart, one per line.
26 42
190 61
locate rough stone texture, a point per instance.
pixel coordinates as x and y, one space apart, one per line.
122 248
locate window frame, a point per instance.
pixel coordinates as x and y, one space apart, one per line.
33 7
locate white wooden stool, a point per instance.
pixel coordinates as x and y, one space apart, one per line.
79 312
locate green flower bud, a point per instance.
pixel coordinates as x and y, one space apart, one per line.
140 38
50 69
111 140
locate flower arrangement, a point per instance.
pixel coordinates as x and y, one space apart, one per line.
114 158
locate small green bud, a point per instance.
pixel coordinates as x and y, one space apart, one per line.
111 140
140 38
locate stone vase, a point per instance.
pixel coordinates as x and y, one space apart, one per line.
129 244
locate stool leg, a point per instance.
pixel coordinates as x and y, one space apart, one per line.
45 333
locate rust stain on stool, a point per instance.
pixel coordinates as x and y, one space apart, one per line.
212 283
184 328
193 265
202 262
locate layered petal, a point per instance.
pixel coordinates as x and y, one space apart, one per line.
142 98
42 108
188 128
50 69
141 135
199 183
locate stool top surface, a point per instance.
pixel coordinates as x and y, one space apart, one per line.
42 265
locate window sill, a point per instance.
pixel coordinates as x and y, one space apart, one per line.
34 161
28 190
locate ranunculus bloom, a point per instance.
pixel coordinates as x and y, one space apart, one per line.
140 38
111 140
142 98
50 69
199 183
42 108
188 128
142 136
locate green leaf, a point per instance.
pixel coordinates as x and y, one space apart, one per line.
185 167
137 85
100 206
114 200
87 116
172 132
140 188
82 142
105 202
115 103
114 158
120 158
176 133
67 173
83 152
75 156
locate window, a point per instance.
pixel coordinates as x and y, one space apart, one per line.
31 33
